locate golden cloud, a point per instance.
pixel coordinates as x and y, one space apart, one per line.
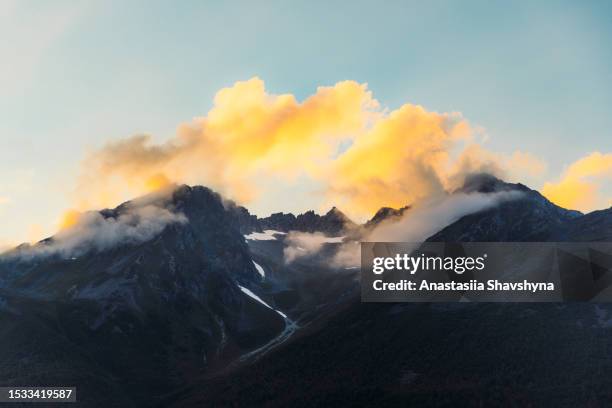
248 134
361 155
402 158
581 183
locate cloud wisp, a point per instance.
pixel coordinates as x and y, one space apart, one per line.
417 224
302 244
93 231
422 221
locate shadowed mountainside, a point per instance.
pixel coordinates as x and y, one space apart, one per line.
140 319
196 316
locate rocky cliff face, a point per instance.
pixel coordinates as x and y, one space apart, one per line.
333 223
386 214
247 222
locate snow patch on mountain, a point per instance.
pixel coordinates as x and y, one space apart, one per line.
260 269
260 300
267 235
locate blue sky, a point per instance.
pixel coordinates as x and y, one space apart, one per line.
535 75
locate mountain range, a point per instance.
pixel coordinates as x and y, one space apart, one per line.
207 312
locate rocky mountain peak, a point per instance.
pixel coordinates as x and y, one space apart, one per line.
526 216
386 213
487 183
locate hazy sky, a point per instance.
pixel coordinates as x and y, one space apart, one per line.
73 75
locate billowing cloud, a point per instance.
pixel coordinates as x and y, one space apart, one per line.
402 158
350 151
581 186
339 143
248 135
